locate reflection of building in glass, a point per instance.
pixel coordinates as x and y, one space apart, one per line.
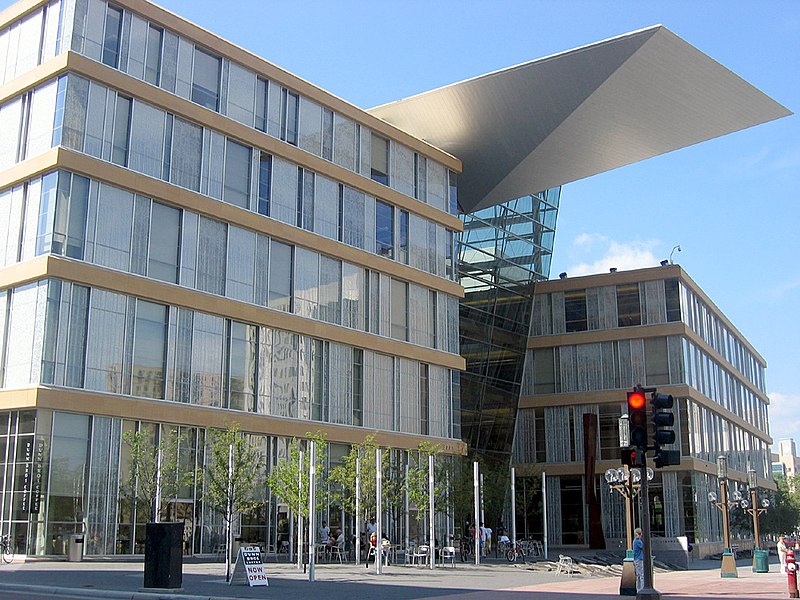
193 236
594 337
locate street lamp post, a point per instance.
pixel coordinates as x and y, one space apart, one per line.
627 483
728 561
755 510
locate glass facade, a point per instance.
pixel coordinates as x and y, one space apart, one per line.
503 251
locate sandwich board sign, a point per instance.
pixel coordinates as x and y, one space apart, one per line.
249 568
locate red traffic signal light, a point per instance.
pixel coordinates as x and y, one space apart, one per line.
636 400
637 418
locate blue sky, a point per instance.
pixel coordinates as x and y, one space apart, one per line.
731 203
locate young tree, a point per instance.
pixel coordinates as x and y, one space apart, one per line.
289 479
229 480
154 476
783 515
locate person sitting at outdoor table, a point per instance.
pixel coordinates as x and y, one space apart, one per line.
504 539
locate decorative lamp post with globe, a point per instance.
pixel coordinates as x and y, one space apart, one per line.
627 483
725 504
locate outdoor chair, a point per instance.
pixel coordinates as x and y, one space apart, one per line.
448 553
565 565
338 551
420 556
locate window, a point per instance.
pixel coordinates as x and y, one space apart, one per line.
673 297
399 310
629 309
165 239
236 187
402 243
290 103
380 159
280 276
449 253
205 79
111 37
358 386
264 183
544 371
68 215
305 199
452 179
262 89
420 177
424 399
58 118
384 229
122 130
149 350
656 362
327 134
608 423
575 311
358 148
152 59
432 322
241 367
187 151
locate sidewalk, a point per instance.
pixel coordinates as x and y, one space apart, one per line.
115 579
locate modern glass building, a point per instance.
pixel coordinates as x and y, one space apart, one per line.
191 236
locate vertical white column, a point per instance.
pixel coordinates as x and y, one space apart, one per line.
407 523
358 510
431 532
299 513
312 512
378 511
477 497
513 505
544 510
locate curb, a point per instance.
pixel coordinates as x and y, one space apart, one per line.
101 593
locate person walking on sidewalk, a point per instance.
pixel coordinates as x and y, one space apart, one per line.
638 558
782 553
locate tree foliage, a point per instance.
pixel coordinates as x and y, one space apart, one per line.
289 478
154 476
783 515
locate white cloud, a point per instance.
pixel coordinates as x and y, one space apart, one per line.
784 418
627 256
589 239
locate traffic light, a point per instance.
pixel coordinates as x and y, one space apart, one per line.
637 418
663 434
633 457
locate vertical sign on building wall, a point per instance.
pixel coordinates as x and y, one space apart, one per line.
37 475
24 468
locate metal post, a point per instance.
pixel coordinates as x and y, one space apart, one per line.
312 512
229 541
378 511
157 503
300 513
358 510
629 509
647 592
544 511
726 524
477 497
431 535
513 505
407 508
755 511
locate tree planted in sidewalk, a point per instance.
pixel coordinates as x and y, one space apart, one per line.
230 477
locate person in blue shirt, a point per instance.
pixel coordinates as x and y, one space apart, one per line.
638 558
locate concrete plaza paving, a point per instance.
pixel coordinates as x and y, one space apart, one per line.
123 580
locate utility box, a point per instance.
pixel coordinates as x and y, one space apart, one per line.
75 548
163 556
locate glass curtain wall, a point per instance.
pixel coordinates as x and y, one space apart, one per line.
503 251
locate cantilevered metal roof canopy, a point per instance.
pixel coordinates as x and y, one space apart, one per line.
561 118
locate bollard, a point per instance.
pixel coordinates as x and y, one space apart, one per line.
791 570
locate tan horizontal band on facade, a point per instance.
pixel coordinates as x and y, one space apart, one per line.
176 413
606 335
675 328
62 158
574 469
67 269
70 62
619 396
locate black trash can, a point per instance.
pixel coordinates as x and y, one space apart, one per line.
163 556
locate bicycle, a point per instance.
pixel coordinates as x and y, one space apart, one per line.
516 551
466 549
6 551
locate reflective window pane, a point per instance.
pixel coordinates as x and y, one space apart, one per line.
205 79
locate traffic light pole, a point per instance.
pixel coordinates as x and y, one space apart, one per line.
648 592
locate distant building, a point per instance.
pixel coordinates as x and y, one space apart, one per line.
785 461
592 339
